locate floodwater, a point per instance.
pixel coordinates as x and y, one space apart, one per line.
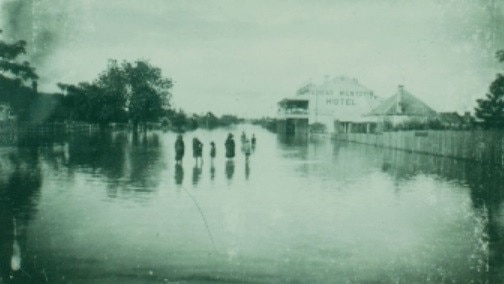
115 208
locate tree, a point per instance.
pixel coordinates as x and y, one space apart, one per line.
500 55
228 119
149 92
210 120
135 91
80 101
112 86
179 121
102 101
14 75
490 110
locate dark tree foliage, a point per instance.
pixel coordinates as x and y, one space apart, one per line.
228 119
209 120
490 110
180 122
14 75
266 122
92 103
112 94
193 123
78 102
137 92
149 96
500 55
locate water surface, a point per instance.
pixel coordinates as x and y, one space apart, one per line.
114 207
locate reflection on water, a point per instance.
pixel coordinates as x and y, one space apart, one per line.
230 167
196 174
247 170
212 171
20 182
179 174
106 207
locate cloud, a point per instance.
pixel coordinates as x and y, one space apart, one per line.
43 24
254 53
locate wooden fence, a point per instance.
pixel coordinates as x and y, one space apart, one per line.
481 146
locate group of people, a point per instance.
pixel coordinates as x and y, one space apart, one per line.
247 146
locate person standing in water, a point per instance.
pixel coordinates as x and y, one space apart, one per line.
253 140
197 149
179 149
243 136
212 150
247 149
230 147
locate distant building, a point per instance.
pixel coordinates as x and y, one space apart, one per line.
293 115
333 103
402 107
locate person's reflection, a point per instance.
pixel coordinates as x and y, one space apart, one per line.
179 174
212 171
196 174
229 169
253 141
247 170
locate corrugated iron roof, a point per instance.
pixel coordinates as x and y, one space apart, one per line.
403 103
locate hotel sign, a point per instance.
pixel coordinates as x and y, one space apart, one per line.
341 97
341 102
343 93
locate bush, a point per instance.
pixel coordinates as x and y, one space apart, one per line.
414 124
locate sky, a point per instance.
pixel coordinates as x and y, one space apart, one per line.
242 57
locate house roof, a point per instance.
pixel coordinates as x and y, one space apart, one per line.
403 103
294 101
297 99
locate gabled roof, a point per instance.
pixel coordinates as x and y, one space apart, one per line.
306 88
403 103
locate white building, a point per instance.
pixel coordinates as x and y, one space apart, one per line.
335 103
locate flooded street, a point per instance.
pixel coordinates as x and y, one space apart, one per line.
114 207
